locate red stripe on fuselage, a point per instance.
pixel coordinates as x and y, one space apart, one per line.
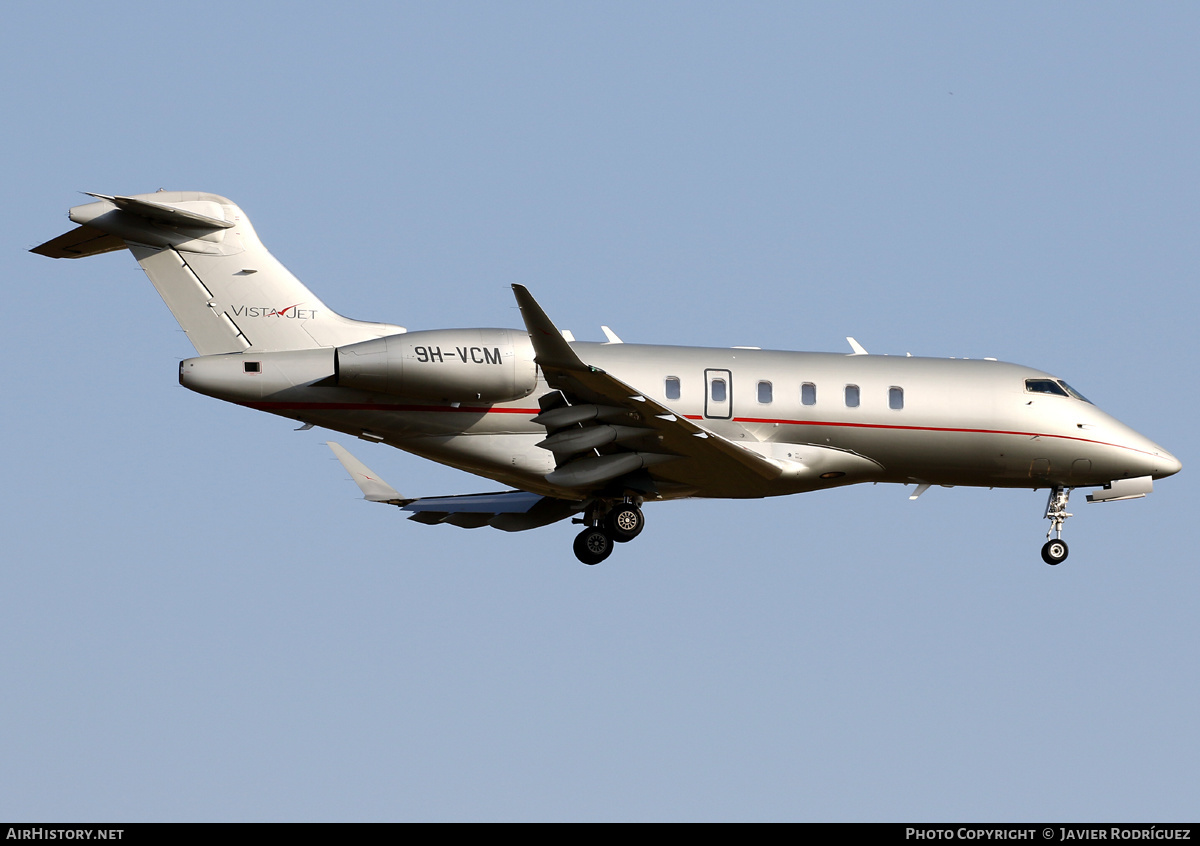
438 409
923 429
383 406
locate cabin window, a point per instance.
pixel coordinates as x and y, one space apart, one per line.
895 398
852 396
808 393
719 393
252 366
672 387
1044 386
764 392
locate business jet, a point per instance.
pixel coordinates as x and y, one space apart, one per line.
593 431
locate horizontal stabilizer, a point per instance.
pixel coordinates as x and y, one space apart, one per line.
374 488
163 213
204 258
80 242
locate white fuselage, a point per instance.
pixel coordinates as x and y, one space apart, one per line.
598 429
936 421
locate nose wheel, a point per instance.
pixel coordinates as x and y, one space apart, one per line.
1055 549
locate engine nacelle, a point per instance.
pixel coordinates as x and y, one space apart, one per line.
452 365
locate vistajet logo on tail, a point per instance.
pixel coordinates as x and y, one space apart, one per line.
292 312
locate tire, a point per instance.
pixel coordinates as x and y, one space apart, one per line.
1055 552
593 545
625 522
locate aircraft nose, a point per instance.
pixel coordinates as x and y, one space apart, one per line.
1166 464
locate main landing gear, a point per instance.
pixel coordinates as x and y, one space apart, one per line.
607 523
1055 550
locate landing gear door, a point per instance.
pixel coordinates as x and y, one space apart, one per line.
718 394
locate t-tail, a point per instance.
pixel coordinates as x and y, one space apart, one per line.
227 292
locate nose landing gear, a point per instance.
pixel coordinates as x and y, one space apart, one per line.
1055 549
608 523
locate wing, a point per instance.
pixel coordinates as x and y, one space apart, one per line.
510 511
606 435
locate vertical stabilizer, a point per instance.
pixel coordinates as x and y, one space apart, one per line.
226 290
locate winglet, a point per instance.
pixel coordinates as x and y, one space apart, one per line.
374 488
857 347
549 347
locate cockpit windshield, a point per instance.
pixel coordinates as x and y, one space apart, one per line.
1055 387
1075 393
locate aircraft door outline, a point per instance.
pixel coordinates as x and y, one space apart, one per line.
718 394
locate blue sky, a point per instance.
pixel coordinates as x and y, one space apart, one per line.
203 621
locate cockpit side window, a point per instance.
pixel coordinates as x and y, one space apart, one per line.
1075 393
1044 386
